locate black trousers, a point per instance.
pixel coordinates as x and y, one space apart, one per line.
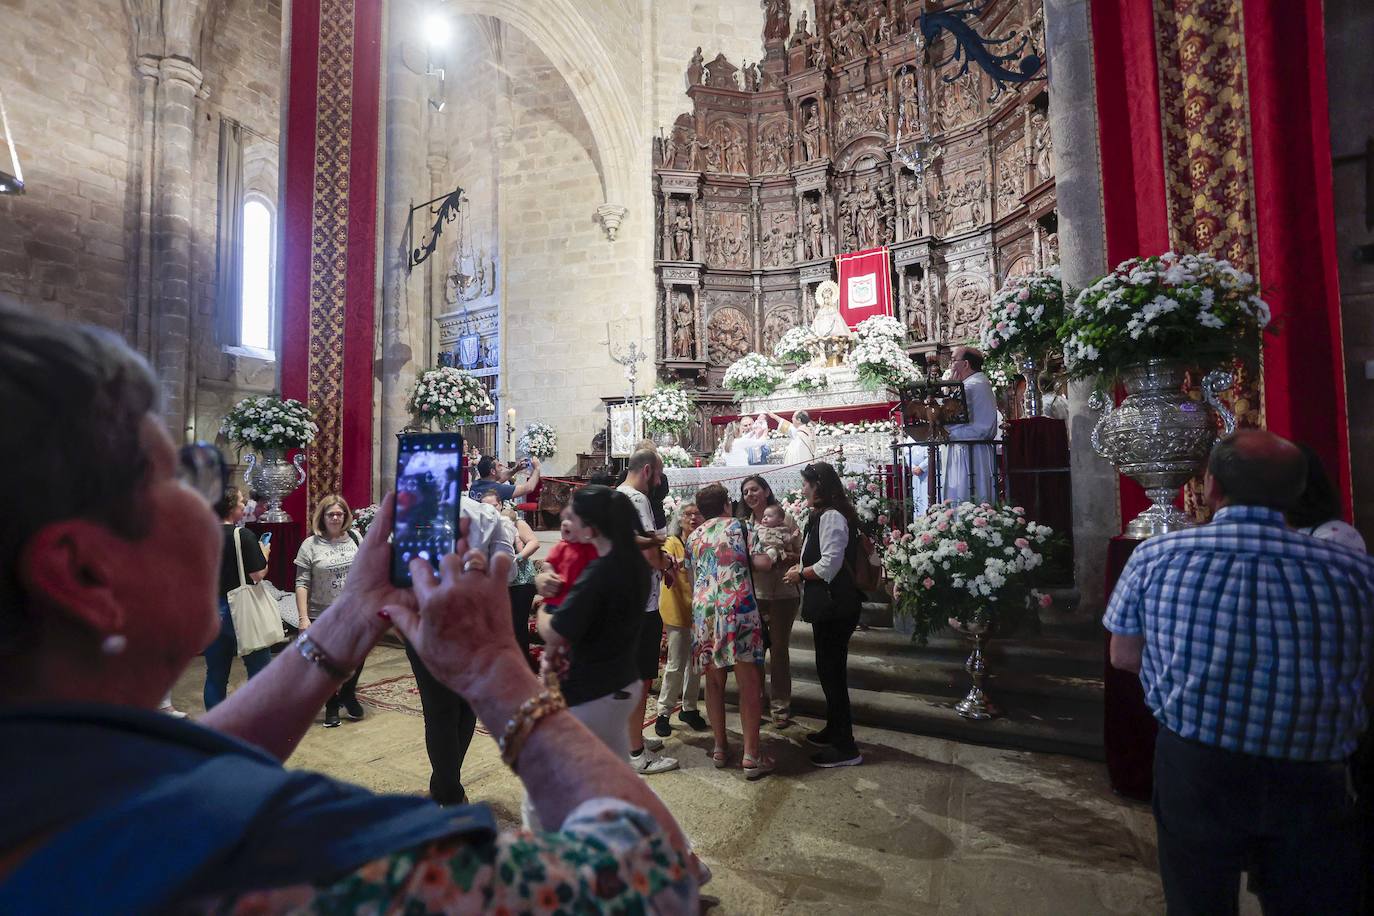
832 669
348 689
1292 826
449 724
521 603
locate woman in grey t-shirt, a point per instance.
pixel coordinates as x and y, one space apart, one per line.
321 569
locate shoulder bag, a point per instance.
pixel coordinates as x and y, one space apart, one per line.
257 623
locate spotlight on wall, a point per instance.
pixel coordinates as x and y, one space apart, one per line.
11 182
438 29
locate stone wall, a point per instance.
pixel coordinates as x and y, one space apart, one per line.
1350 71
67 74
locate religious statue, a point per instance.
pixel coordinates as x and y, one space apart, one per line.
1043 144
811 135
916 304
682 234
684 328
815 230
773 144
800 35
753 79
908 107
911 207
695 69
849 239
735 162
867 222
777 13
829 326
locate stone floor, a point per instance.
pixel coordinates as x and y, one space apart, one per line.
924 826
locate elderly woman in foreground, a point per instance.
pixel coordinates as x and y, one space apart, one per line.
107 591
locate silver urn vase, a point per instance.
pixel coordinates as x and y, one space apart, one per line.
1033 405
1159 437
275 478
665 438
976 705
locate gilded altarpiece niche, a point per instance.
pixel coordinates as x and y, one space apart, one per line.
777 167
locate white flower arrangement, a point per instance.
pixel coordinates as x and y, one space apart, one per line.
539 440
753 374
1025 316
963 560
868 494
270 423
880 361
675 456
363 518
795 346
808 378
880 326
1193 308
448 396
667 409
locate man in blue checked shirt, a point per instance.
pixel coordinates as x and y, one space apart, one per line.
1253 643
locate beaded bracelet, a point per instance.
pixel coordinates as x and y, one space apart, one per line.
530 713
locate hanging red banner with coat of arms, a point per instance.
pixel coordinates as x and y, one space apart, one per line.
865 285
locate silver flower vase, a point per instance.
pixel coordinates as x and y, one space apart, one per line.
1159 437
665 438
975 704
1033 405
275 478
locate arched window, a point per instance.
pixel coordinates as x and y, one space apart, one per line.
255 303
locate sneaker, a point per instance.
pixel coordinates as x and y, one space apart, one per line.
652 744
663 726
173 712
818 739
331 716
353 708
834 757
694 720
649 763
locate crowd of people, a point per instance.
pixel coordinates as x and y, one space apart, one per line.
1252 636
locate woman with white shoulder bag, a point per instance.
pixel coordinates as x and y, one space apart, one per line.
243 560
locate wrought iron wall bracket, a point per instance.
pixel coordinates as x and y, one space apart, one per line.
970 47
446 211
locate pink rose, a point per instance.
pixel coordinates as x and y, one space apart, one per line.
994 344
1018 510
1022 543
882 520
980 523
928 582
942 526
926 538
961 546
1046 601
1023 295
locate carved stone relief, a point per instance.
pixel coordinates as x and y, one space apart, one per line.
957 103
727 238
1042 145
965 307
779 240
860 112
777 323
774 152
1011 177
729 335
959 204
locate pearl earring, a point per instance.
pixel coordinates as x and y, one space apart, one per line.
114 644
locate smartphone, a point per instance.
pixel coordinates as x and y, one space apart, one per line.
429 482
265 539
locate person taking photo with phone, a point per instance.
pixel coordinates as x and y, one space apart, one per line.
494 474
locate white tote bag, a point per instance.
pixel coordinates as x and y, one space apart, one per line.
256 621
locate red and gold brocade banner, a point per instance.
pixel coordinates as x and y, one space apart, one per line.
328 220
1214 135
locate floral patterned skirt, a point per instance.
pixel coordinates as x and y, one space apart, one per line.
723 637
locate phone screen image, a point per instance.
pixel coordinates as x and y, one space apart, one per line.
265 539
429 470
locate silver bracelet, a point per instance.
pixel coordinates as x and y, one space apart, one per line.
316 656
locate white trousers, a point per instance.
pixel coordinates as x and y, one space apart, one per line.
679 681
605 717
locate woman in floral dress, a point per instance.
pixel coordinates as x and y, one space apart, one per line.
727 632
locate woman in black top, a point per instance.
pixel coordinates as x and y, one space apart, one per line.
830 603
598 622
219 655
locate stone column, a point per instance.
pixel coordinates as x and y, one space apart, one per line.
174 114
405 180
1083 258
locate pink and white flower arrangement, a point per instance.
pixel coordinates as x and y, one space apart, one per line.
270 423
1024 317
1192 308
447 397
666 409
753 374
539 440
675 456
963 560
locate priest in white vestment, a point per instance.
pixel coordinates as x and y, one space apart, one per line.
802 447
977 463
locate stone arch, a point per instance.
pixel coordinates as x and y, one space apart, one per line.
577 49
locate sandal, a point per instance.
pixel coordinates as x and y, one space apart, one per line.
761 767
718 757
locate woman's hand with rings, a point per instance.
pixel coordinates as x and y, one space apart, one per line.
462 629
793 575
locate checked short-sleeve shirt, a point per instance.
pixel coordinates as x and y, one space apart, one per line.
1258 638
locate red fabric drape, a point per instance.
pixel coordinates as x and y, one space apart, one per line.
1304 366
328 245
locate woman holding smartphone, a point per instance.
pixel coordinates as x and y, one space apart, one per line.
322 566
